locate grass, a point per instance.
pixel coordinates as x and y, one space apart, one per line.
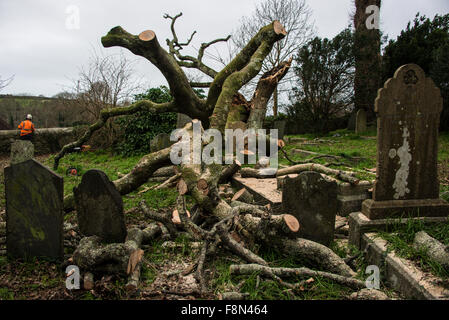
400 239
347 144
263 289
341 143
113 166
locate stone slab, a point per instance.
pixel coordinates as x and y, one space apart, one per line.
161 141
34 211
399 208
99 208
264 190
312 199
349 197
408 109
401 274
182 120
360 122
359 224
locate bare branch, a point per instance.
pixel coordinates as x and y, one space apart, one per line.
188 61
5 82
147 45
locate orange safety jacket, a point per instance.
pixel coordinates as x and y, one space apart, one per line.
26 127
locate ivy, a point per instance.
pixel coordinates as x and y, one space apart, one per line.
143 126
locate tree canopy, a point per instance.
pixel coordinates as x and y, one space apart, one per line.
424 42
325 71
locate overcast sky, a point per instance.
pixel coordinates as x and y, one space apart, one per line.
38 48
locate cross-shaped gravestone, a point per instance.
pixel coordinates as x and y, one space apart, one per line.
408 109
34 211
99 207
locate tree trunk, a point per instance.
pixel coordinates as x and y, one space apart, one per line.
367 59
275 101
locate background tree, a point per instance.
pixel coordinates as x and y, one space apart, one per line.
5 82
325 71
426 43
367 59
106 82
295 15
140 128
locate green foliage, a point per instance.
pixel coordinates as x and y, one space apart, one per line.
270 120
400 239
143 126
424 42
325 70
5 294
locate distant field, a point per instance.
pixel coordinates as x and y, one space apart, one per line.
47 112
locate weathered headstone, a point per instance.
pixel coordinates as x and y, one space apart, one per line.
360 121
408 109
280 127
313 201
34 211
351 121
159 142
182 120
21 150
99 207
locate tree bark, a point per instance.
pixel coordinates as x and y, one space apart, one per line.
248 269
436 251
266 87
296 169
367 60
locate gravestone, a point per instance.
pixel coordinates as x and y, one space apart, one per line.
21 150
280 127
313 201
408 113
182 120
99 207
351 121
159 142
360 121
34 211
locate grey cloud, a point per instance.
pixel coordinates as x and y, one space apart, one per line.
36 46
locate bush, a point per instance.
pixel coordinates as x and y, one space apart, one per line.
140 128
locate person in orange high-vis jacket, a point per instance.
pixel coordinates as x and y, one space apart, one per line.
26 128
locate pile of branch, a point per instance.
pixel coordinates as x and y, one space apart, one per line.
233 226
278 274
93 257
345 176
436 251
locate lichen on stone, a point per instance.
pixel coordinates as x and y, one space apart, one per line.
405 157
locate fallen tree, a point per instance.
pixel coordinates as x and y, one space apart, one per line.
224 108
